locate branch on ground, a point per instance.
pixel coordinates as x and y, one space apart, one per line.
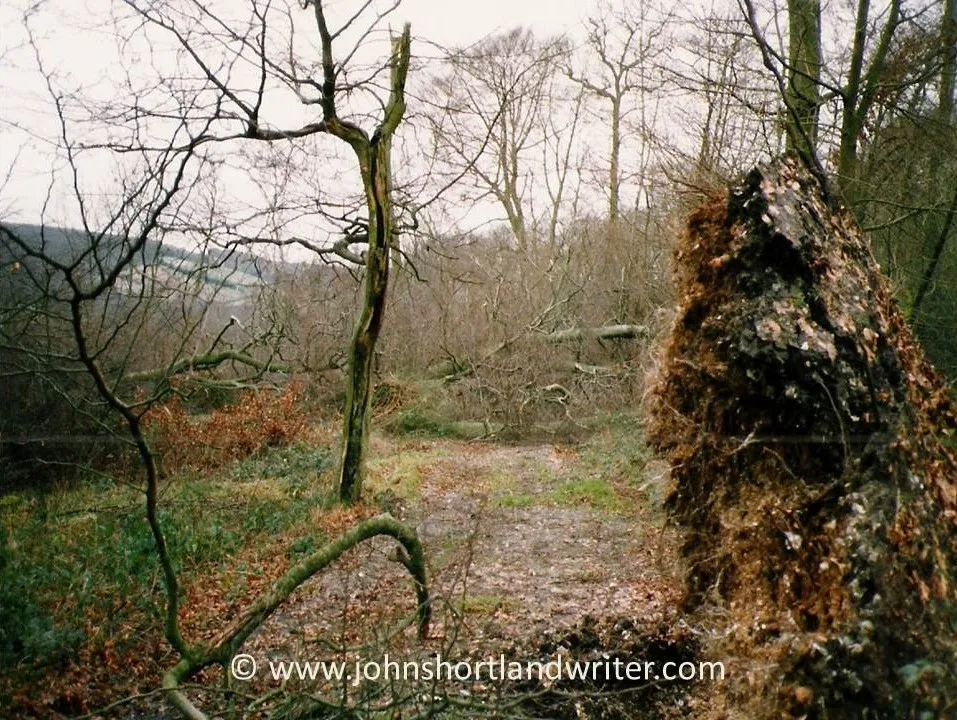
228 642
208 361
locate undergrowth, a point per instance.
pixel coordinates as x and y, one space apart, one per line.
81 597
259 419
247 491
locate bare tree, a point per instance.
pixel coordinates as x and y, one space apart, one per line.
724 102
241 65
625 46
938 233
106 284
500 109
807 78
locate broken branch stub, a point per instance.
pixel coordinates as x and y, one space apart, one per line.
813 461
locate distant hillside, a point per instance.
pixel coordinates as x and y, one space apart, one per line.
230 276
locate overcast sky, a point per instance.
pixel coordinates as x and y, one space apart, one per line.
73 47
461 21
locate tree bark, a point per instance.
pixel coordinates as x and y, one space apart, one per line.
938 233
606 332
948 65
614 165
860 90
374 157
939 243
355 429
207 361
812 452
804 76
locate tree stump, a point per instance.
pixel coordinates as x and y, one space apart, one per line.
814 468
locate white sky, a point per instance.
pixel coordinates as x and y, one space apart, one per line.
76 46
464 21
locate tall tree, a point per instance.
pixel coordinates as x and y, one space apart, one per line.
948 65
801 81
731 108
860 89
938 233
498 107
623 44
374 157
266 42
169 131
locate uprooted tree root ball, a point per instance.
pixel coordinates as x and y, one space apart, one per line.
813 462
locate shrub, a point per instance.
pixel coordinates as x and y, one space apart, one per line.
259 419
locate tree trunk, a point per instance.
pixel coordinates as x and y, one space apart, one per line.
948 64
614 169
860 91
228 642
355 429
813 460
375 166
939 232
851 120
605 332
804 75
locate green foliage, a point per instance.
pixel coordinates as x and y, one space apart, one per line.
618 449
302 547
517 501
296 465
87 552
420 423
415 422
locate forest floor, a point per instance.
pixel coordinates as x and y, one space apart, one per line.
532 550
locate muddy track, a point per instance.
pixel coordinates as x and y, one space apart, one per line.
514 558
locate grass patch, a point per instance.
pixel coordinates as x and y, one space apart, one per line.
593 492
590 576
618 451
402 474
416 422
517 501
486 604
617 454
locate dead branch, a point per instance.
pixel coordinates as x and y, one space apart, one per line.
228 642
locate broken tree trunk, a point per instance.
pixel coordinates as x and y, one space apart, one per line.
557 337
606 332
813 462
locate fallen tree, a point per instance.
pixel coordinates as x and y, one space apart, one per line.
230 640
463 369
814 468
606 332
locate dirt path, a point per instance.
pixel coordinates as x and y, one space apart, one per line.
526 545
523 543
551 545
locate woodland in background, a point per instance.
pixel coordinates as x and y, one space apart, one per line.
160 320
592 154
